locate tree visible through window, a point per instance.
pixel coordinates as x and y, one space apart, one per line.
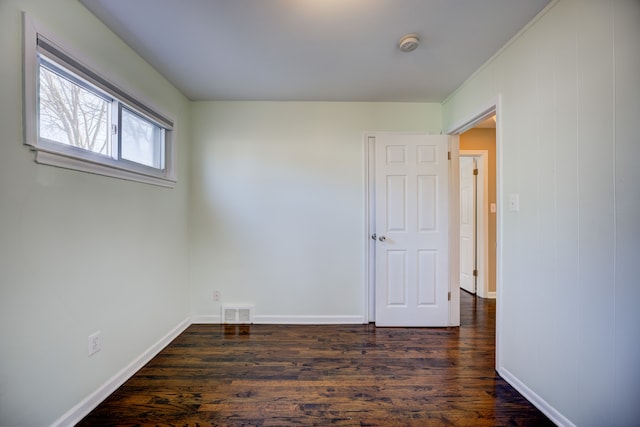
71 114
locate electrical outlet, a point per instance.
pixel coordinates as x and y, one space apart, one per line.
94 344
216 296
514 202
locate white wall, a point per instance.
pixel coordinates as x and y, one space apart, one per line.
278 204
79 252
570 101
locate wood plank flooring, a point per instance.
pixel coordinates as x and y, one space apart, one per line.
339 375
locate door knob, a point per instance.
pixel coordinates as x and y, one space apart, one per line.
373 236
382 238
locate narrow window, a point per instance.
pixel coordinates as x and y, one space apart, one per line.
77 119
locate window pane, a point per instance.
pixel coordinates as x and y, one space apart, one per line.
142 141
72 115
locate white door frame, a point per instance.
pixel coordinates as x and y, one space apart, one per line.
493 107
370 224
369 221
482 231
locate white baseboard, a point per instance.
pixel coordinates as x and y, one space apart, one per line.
309 320
82 409
206 319
535 399
486 294
287 320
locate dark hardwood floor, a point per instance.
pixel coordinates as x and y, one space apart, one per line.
341 375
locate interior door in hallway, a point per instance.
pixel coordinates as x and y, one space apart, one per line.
468 223
412 230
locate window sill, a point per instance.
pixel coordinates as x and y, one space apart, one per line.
69 162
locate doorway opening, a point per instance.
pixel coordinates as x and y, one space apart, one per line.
488 118
478 209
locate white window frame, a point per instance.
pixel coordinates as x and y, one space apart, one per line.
69 157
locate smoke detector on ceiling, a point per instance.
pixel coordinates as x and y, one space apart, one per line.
409 43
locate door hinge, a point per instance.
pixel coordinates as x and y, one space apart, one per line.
449 155
449 296
475 171
475 273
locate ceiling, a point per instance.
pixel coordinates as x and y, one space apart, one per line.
489 123
315 50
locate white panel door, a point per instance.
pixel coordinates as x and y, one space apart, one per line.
467 224
412 230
